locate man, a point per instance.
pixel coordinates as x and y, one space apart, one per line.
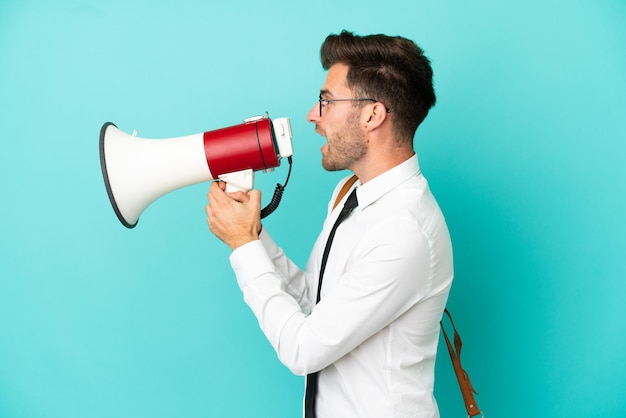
368 347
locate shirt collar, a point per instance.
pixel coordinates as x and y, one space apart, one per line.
374 189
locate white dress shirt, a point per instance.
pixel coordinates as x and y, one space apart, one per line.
374 333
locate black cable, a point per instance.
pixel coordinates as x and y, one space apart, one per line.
278 195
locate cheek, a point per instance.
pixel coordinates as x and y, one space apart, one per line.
340 125
334 127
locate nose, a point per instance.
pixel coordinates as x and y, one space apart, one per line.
314 114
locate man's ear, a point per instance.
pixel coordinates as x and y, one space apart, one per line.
375 117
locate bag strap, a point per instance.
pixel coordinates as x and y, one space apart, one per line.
344 190
467 390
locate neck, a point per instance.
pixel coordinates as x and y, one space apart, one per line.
376 163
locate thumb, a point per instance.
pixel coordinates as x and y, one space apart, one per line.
255 197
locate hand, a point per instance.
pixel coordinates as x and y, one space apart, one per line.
235 218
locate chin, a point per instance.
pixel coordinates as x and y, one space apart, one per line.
329 166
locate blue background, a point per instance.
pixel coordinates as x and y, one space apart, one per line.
525 151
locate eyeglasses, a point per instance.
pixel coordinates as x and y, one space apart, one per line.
326 102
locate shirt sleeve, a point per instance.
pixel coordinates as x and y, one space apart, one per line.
295 280
383 279
273 286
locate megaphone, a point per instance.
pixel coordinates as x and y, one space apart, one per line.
137 171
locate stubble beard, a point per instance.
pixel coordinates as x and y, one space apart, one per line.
345 148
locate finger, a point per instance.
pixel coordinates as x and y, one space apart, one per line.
254 196
216 194
239 196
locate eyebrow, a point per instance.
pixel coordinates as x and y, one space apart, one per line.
325 92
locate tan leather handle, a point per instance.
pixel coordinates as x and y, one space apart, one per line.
467 390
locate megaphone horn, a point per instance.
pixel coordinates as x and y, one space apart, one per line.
137 171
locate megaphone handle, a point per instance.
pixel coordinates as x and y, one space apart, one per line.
238 181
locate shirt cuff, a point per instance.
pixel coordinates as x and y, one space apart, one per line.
250 261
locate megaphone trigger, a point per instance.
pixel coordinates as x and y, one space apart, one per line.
238 181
